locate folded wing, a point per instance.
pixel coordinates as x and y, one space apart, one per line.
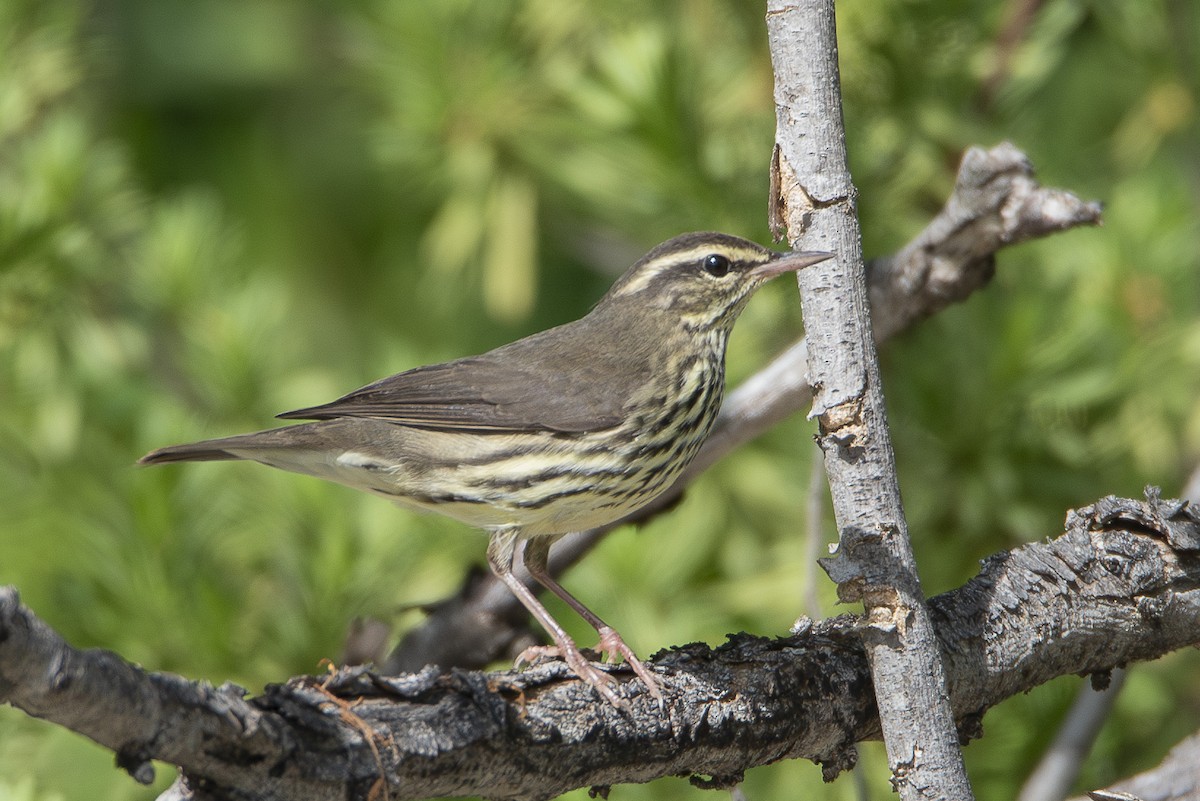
520 387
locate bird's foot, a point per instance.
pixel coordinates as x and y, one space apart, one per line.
536 653
580 666
612 645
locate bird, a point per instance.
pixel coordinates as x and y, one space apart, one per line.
562 431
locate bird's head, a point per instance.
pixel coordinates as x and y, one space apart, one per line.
705 279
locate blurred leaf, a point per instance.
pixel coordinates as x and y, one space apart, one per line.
214 211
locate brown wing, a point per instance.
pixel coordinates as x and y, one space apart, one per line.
552 381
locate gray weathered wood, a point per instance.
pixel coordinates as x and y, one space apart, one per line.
874 563
1118 587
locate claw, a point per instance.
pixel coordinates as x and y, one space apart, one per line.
580 666
611 644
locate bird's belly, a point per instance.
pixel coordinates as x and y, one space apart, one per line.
547 486
542 482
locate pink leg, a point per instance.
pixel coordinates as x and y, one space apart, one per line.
501 552
536 555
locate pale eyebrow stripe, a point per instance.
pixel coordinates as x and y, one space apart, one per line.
672 260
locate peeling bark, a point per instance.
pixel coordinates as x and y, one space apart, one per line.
1121 585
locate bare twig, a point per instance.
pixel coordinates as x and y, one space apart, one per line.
1176 778
1058 768
875 561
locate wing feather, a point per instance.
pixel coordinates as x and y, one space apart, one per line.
534 384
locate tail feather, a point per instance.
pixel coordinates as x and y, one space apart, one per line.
191 452
346 451
240 446
297 448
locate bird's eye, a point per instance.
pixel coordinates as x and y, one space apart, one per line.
716 265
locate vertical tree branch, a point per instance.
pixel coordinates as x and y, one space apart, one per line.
815 199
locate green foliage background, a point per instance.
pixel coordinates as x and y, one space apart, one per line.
215 210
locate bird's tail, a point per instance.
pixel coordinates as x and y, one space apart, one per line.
242 446
191 452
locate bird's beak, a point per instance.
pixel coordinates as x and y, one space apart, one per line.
790 262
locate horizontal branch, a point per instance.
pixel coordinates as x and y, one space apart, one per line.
996 202
1121 585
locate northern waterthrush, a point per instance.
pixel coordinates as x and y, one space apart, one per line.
565 430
